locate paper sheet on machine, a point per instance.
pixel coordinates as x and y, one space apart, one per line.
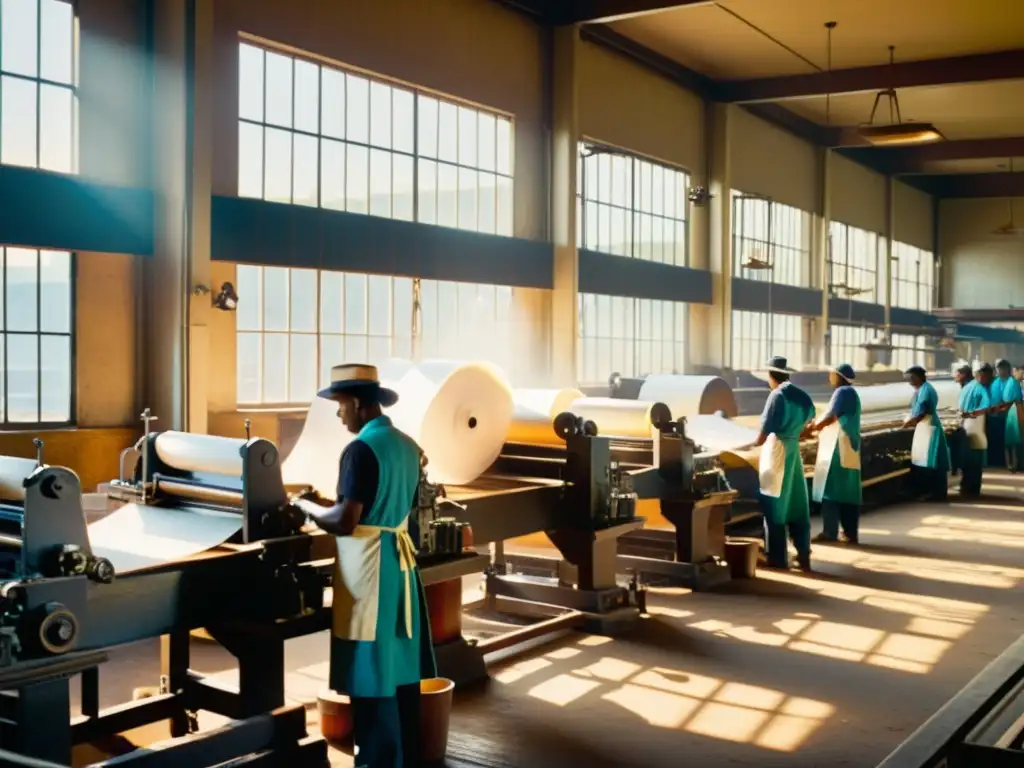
714 433
138 536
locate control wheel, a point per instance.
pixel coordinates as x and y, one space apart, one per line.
102 570
58 629
661 415
567 424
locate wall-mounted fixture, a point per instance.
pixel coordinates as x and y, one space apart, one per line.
698 196
226 299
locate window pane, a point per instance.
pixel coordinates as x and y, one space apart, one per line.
57 33
380 115
18 37
250 82
55 292
55 128
402 187
447 194
357 103
55 379
17 121
380 183
504 146
357 180
426 121
307 96
250 160
277 181
355 303
275 299
427 191
304 171
247 376
22 306
248 280
278 89
332 294
275 368
332 103
467 199
467 137
302 300
22 377
379 300
403 120
332 175
448 132
302 367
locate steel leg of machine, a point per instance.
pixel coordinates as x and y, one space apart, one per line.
261 671
44 720
174 660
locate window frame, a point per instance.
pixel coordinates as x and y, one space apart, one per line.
21 426
848 236
38 81
630 210
795 239
764 342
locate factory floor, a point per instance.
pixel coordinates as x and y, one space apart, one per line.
830 669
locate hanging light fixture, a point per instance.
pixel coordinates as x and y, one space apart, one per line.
896 133
1010 228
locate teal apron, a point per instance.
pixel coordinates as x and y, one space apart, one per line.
837 475
1012 394
929 449
381 635
783 485
973 397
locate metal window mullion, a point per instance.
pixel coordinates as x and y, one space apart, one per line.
39 336
416 157
7 367
291 174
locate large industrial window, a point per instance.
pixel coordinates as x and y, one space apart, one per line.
756 336
629 206
312 134
37 340
853 263
847 344
38 104
632 337
771 242
294 324
911 350
318 135
913 277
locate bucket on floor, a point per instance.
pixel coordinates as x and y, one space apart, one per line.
335 715
435 714
741 555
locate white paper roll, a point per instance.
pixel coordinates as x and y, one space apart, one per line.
313 460
13 472
714 433
616 417
140 536
535 409
459 413
200 453
896 397
689 395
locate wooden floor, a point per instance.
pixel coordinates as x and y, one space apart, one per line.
833 669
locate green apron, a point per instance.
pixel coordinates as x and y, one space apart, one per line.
783 485
1012 394
375 650
837 475
929 448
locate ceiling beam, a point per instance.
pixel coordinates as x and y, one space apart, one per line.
903 161
604 11
1004 65
973 184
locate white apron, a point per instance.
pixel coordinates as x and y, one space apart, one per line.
357 580
772 466
921 446
848 457
974 428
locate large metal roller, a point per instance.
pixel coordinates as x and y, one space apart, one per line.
688 396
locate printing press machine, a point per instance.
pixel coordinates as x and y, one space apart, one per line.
63 604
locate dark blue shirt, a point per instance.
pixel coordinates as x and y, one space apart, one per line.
358 474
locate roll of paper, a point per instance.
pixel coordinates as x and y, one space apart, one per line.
535 410
13 472
690 395
459 413
879 398
715 433
314 459
140 536
200 453
615 417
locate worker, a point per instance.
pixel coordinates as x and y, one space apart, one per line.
974 404
995 423
929 456
1014 415
380 647
783 496
837 470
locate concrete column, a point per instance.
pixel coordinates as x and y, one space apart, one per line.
819 347
890 219
710 326
565 135
176 350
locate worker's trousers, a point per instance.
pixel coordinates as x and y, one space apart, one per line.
973 465
386 731
834 515
776 546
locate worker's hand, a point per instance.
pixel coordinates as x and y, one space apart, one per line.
808 432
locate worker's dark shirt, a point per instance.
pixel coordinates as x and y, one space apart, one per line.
358 474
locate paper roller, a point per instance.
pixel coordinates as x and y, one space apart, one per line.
621 418
535 410
13 473
202 455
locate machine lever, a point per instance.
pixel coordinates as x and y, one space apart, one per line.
39 451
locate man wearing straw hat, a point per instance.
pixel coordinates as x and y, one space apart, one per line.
837 484
973 404
381 648
783 487
929 455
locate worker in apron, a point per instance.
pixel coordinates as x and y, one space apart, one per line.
381 647
783 496
837 485
1014 415
995 424
974 404
929 456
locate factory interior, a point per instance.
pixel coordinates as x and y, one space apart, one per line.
571 235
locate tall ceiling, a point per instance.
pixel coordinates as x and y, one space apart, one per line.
959 64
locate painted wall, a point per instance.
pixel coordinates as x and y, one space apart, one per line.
913 217
622 104
768 161
980 269
858 195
